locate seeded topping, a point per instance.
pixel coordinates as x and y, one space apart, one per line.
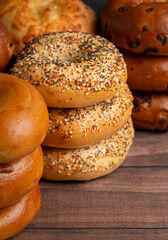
108 153
90 119
69 61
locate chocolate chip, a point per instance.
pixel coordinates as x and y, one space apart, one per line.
122 9
132 69
145 28
141 98
151 50
162 38
149 10
134 43
162 121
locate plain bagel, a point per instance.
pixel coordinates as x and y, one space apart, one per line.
78 127
89 162
15 217
23 118
19 177
150 111
28 19
72 69
146 73
140 26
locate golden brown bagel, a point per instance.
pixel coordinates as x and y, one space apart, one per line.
20 176
28 19
15 217
72 69
78 127
146 73
90 162
139 26
6 47
23 118
150 111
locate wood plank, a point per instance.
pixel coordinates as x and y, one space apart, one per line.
128 198
85 234
148 149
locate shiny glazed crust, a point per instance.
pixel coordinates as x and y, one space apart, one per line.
20 177
150 111
78 127
28 19
89 162
15 217
6 47
72 69
139 26
146 73
23 118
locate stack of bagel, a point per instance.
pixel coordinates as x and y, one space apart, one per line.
140 27
82 79
23 124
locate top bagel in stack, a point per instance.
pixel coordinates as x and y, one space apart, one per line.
23 118
139 26
72 69
28 19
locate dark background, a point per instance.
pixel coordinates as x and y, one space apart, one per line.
97 5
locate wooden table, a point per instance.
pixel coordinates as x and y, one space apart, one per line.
131 203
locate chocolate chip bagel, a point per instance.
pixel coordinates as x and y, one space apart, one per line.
89 162
150 111
26 19
72 69
139 26
78 127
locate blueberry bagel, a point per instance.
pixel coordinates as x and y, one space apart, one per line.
150 111
89 162
139 26
72 69
78 127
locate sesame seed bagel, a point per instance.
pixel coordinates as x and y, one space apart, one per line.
150 111
78 127
23 118
20 176
89 162
146 73
72 69
139 26
15 217
26 19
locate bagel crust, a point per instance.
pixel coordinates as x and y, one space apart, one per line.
6 47
27 19
78 127
139 26
15 217
23 118
72 69
20 177
89 162
146 73
150 111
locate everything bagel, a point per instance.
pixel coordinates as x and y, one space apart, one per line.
72 69
140 26
20 176
89 162
78 127
23 118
